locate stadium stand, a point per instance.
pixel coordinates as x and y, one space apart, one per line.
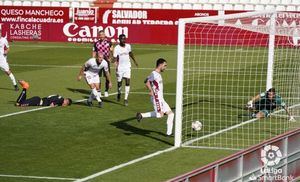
240 5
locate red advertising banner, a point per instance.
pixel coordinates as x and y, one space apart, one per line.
33 23
149 26
85 14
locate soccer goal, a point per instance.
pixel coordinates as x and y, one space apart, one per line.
224 61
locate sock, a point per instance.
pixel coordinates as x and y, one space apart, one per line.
91 97
119 87
149 114
170 123
12 78
106 85
22 96
96 94
127 88
99 92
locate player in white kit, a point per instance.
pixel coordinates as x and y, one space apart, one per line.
122 54
154 83
4 49
90 70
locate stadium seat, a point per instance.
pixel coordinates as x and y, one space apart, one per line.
244 1
197 6
85 4
55 4
36 3
218 7
182 1
276 2
7 3
187 6
126 5
147 6
65 4
270 7
177 6
280 8
249 7
286 2
238 7
167 6
295 2
254 1
223 1
75 4
46 3
228 7
233 1
203 1
27 3
265 1
291 8
259 7
192 1
117 5
137 5
156 6
207 6
17 3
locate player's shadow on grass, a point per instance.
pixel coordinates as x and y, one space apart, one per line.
129 129
6 88
82 91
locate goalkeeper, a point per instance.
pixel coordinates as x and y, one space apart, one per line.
264 104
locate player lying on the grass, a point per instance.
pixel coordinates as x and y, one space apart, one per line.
91 70
154 83
52 100
4 49
122 54
265 103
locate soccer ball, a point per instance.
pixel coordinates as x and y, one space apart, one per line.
196 125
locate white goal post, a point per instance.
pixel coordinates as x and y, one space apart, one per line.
225 60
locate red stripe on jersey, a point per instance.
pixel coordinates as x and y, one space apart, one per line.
155 89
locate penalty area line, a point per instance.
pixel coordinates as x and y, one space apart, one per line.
37 177
125 164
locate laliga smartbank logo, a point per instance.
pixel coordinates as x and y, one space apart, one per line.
270 156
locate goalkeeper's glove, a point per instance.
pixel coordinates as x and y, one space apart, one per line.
291 119
250 104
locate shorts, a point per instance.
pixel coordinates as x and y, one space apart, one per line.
160 105
3 64
92 78
123 74
102 72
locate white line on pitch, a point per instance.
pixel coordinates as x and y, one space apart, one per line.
125 164
37 177
72 66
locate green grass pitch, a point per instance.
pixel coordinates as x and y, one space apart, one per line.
77 141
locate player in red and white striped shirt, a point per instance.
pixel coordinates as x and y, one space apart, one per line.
154 83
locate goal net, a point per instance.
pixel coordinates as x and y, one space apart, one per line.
223 62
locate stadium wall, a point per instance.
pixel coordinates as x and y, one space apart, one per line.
277 159
141 26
